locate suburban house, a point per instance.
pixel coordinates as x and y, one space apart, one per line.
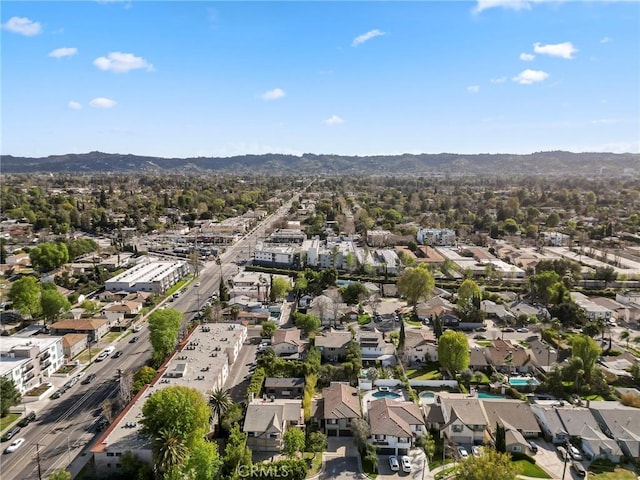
333 345
267 421
521 308
621 423
592 310
507 357
543 355
497 311
374 347
94 328
287 343
284 387
341 404
328 307
563 423
394 425
517 419
464 419
73 344
419 346
117 312
436 306
477 360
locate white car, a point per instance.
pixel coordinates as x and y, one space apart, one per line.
476 451
523 330
463 452
575 453
406 463
14 445
393 463
137 328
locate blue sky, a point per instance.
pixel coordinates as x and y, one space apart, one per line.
188 79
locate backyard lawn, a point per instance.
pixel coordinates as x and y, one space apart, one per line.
529 469
617 474
423 373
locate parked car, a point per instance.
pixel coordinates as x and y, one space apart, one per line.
14 445
57 394
10 434
578 468
133 340
476 451
406 463
118 354
393 463
533 447
523 330
463 452
71 383
508 330
479 337
89 379
137 328
575 453
562 452
480 329
27 419
102 356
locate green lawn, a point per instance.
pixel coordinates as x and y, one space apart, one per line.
529 469
364 319
316 463
414 323
110 337
428 373
617 474
178 285
368 469
484 343
8 420
444 473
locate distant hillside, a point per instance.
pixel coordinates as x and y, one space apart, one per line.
542 163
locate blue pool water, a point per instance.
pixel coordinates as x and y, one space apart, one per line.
386 395
523 382
489 395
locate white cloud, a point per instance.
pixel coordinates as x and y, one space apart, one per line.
360 39
473 88
606 40
498 80
527 57
528 76
101 102
508 4
119 62
274 94
23 26
562 50
74 105
63 52
605 121
333 120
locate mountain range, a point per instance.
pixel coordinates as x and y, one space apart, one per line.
553 163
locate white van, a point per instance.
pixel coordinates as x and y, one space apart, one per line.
109 350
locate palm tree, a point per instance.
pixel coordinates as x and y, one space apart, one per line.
624 335
220 402
170 451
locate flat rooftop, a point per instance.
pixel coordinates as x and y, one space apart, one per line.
197 364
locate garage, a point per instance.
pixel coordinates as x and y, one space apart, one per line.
387 451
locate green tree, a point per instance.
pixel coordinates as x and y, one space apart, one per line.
169 451
316 442
181 410
220 401
268 329
60 475
163 333
553 220
232 415
501 438
204 462
361 432
279 288
415 284
453 351
25 295
53 305
544 286
468 293
235 453
510 226
9 396
353 293
607 274
491 465
588 351
142 377
306 322
293 442
47 256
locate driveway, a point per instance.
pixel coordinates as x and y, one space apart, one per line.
340 468
548 459
417 467
341 446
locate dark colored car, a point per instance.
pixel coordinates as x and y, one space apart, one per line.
10 434
133 340
58 393
27 419
90 378
117 354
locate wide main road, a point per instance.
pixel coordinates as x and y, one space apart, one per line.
64 426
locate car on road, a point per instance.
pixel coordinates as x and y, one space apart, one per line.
133 340
463 452
578 468
522 330
197 284
57 394
71 383
137 328
14 445
479 337
118 354
575 453
27 419
406 463
508 330
480 329
393 463
102 356
10 434
90 378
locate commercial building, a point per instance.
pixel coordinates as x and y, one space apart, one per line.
154 276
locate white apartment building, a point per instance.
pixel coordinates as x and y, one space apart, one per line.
442 237
153 276
26 360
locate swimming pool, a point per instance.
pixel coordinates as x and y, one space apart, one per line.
523 382
386 395
489 395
